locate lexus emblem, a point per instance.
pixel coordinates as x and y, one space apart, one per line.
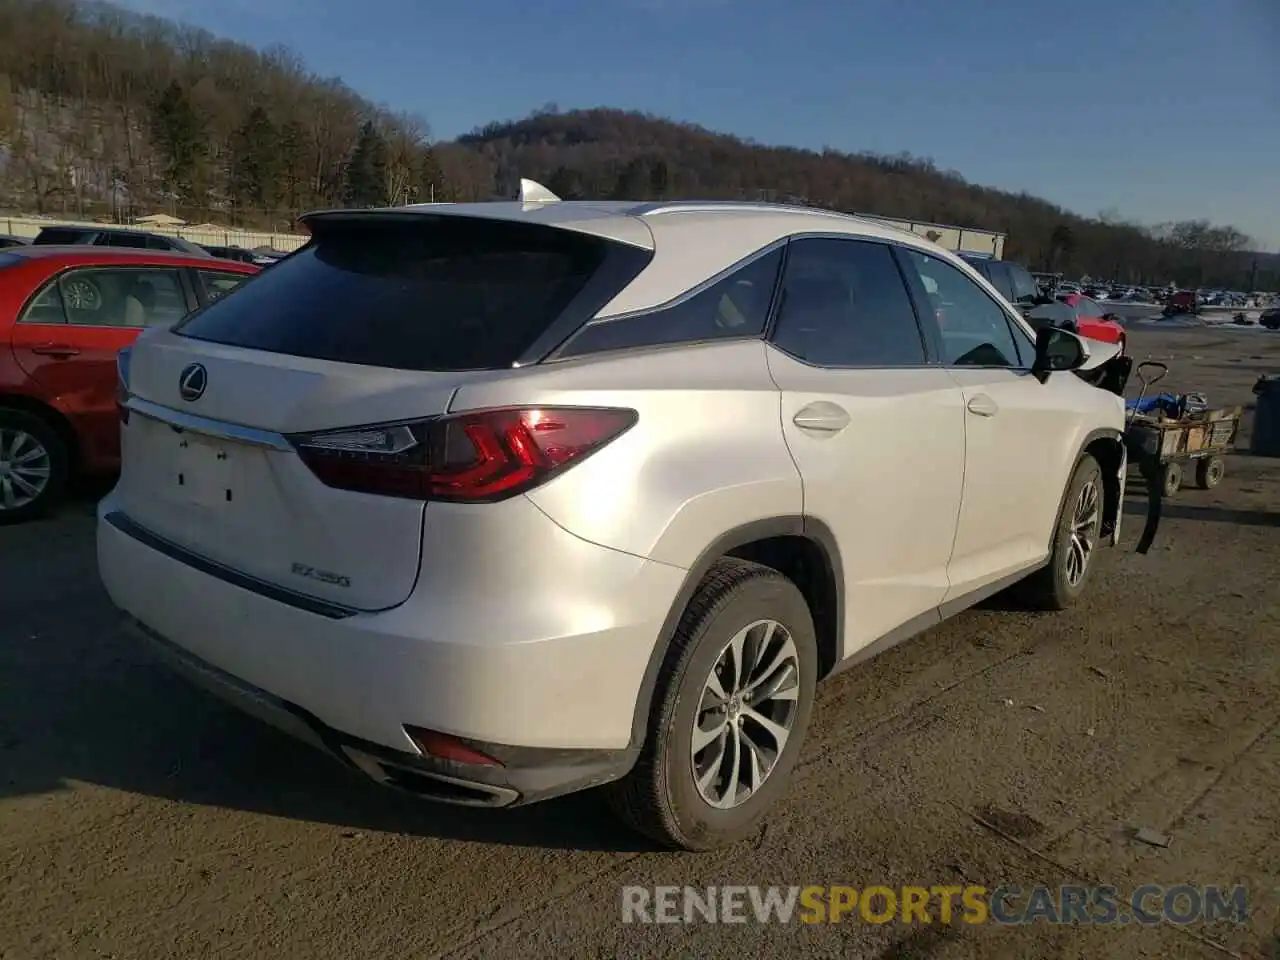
192 382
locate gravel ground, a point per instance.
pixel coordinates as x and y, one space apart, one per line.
140 818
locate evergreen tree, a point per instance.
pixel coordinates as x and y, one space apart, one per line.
634 181
255 162
180 139
366 181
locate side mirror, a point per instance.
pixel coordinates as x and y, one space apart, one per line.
1058 350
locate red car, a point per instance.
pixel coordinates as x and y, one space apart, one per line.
1093 321
64 313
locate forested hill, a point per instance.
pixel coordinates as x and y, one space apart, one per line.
605 152
107 114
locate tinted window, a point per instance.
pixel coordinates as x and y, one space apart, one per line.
111 298
217 283
733 307
844 305
62 235
1024 285
47 307
974 328
1088 308
998 274
440 293
117 239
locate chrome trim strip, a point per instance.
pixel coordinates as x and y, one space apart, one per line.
208 427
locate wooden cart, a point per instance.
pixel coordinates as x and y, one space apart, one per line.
1173 444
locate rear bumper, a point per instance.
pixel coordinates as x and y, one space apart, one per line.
527 774
556 708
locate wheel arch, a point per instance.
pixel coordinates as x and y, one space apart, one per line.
56 419
1106 445
803 549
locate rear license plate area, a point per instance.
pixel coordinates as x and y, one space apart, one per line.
205 470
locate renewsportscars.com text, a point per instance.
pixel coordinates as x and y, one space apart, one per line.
1007 904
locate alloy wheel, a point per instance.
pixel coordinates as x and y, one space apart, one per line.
1085 521
25 466
745 715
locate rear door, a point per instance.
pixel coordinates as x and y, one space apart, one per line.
876 430
373 323
68 336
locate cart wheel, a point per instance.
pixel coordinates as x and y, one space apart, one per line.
1172 478
1209 472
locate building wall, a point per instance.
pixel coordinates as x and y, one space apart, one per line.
961 239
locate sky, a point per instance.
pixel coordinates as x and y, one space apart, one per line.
1153 110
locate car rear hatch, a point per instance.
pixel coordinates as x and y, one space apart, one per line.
377 321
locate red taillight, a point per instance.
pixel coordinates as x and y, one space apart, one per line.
475 457
446 747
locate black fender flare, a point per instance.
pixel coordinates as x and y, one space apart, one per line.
1113 505
763 529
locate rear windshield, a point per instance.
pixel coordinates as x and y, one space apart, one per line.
61 235
440 294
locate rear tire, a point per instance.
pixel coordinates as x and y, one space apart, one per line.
1076 539
1209 472
35 466
661 797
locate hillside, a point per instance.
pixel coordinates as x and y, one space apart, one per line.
604 152
104 113
107 114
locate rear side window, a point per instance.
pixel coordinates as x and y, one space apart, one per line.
733 307
59 236
439 293
134 241
844 304
111 297
218 283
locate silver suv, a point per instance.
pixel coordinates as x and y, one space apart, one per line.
495 502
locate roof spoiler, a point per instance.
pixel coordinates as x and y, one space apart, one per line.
533 192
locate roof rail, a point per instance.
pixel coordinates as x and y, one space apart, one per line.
533 192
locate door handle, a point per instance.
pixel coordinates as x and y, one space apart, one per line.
822 417
983 406
55 350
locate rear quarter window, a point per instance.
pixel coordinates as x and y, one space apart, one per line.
59 236
441 294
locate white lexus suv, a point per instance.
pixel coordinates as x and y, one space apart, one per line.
499 501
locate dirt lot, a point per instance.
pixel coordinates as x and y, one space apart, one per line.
139 818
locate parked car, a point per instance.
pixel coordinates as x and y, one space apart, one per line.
1015 283
1184 301
1270 318
1091 320
493 502
64 312
112 237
